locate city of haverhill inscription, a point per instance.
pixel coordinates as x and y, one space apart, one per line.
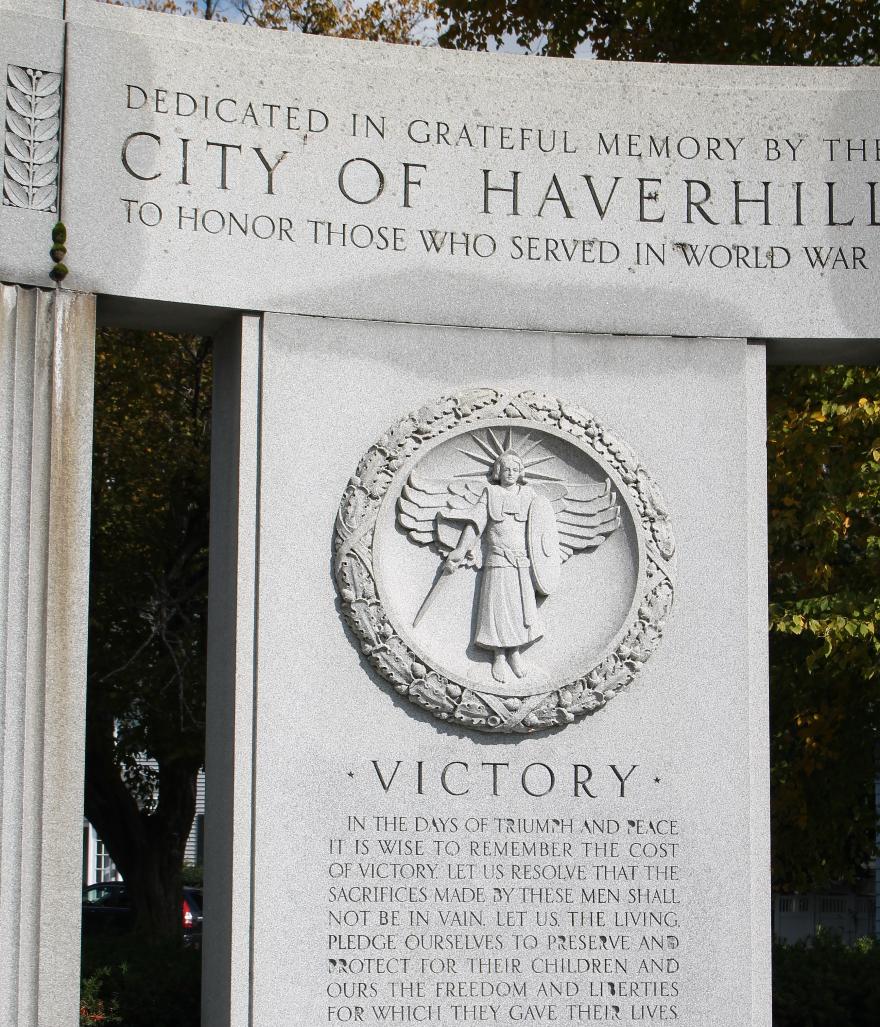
599 178
562 527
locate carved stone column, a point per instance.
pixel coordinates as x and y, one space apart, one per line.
46 384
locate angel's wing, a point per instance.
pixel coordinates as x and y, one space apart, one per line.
426 503
585 514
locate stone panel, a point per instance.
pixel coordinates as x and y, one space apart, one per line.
339 752
488 190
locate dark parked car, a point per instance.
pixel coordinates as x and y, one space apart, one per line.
106 909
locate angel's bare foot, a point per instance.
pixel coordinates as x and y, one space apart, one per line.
499 666
516 663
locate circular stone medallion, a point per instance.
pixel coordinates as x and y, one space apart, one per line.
505 561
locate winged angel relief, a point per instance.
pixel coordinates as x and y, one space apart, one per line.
512 523
480 477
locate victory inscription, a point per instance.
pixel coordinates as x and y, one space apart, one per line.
499 635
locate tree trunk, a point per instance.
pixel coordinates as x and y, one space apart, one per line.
147 848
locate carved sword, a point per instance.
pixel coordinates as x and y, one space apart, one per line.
433 592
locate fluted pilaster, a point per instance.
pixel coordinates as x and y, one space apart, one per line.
46 385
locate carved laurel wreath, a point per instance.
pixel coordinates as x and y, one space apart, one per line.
390 655
33 125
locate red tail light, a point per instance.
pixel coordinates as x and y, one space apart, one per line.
187 915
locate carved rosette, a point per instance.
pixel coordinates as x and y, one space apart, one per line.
390 654
33 130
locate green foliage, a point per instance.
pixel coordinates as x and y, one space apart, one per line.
824 433
148 605
388 21
824 522
93 1007
193 875
691 31
824 983
141 983
148 596
148 609
824 452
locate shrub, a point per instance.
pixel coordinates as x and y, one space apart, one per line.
825 983
134 982
92 1007
193 875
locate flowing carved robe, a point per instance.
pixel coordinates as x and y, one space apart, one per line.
508 615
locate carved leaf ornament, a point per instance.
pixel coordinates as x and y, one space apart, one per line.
383 472
33 123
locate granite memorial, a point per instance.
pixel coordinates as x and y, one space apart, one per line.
504 760
487 737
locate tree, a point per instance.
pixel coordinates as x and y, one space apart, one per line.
824 454
823 440
824 437
148 609
693 31
209 10
386 21
824 519
149 558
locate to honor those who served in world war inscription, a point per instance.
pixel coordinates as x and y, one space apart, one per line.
509 485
